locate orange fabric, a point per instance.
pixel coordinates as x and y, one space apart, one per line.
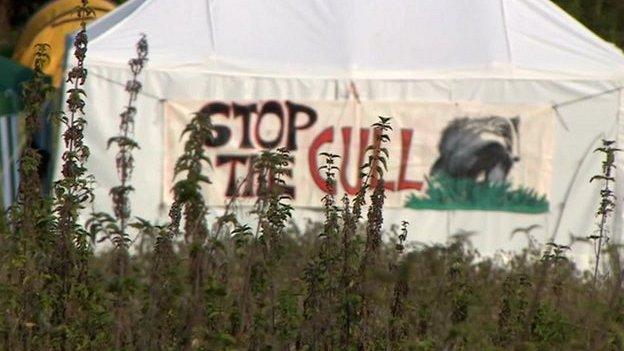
51 25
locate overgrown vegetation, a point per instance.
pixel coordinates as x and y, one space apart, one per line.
225 285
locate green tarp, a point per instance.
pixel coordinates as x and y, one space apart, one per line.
12 75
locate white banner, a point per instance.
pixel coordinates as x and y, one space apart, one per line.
443 156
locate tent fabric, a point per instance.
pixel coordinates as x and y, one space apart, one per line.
498 52
51 25
375 39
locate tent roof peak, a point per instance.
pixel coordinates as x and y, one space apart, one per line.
354 37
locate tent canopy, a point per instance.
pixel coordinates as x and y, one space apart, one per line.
364 39
499 52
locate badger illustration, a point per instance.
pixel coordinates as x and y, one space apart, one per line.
478 148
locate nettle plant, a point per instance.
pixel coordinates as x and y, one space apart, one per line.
115 227
26 242
607 200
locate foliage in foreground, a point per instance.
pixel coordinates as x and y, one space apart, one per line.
311 293
338 285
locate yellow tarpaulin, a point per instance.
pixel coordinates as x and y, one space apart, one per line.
51 25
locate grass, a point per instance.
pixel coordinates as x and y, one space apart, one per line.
447 193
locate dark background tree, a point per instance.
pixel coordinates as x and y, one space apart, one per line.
13 15
604 17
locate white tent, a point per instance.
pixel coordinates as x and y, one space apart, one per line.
434 51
